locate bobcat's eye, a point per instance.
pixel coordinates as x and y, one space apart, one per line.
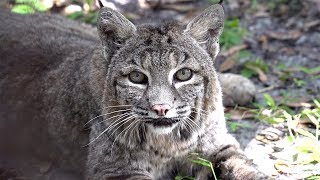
184 74
138 77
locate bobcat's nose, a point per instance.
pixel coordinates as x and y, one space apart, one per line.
161 109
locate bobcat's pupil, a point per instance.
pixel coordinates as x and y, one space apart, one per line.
184 74
138 77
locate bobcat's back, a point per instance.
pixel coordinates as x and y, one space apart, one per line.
42 58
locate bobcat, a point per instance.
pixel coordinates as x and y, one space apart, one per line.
149 93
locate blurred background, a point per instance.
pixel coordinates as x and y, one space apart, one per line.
273 43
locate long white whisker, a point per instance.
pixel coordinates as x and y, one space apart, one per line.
119 115
188 126
123 110
132 129
114 124
193 122
121 123
125 129
117 106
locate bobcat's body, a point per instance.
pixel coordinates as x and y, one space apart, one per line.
55 77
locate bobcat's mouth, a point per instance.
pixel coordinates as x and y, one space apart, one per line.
162 122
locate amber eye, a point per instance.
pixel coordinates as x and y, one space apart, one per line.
138 77
184 74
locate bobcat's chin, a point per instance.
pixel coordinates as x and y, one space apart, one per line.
162 125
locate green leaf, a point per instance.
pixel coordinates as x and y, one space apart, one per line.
317 177
306 133
232 34
202 162
22 9
317 103
269 100
248 73
244 54
306 70
311 117
234 125
75 15
290 138
184 178
37 5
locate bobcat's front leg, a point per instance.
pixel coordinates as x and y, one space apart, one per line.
233 164
107 162
107 170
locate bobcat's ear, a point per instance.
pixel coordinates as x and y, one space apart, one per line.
207 27
113 28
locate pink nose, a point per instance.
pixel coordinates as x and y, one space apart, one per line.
161 109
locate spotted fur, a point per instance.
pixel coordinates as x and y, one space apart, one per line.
138 149
66 99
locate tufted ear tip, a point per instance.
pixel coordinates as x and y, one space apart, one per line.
100 4
207 27
217 9
113 27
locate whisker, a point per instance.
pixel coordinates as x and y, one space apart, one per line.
117 106
188 126
105 115
121 123
104 120
125 129
132 129
193 122
114 124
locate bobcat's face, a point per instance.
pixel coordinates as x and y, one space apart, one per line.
161 83
164 74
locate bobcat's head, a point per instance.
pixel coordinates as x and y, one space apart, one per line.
163 75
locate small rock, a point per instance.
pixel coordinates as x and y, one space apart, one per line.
72 8
237 90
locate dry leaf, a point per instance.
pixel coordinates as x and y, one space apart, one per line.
240 114
262 76
289 35
264 41
227 64
233 50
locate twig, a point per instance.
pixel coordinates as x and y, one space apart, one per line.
268 89
233 50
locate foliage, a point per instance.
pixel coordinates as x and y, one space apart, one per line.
232 34
234 126
28 6
288 76
179 177
252 68
306 70
270 111
307 151
271 4
195 158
